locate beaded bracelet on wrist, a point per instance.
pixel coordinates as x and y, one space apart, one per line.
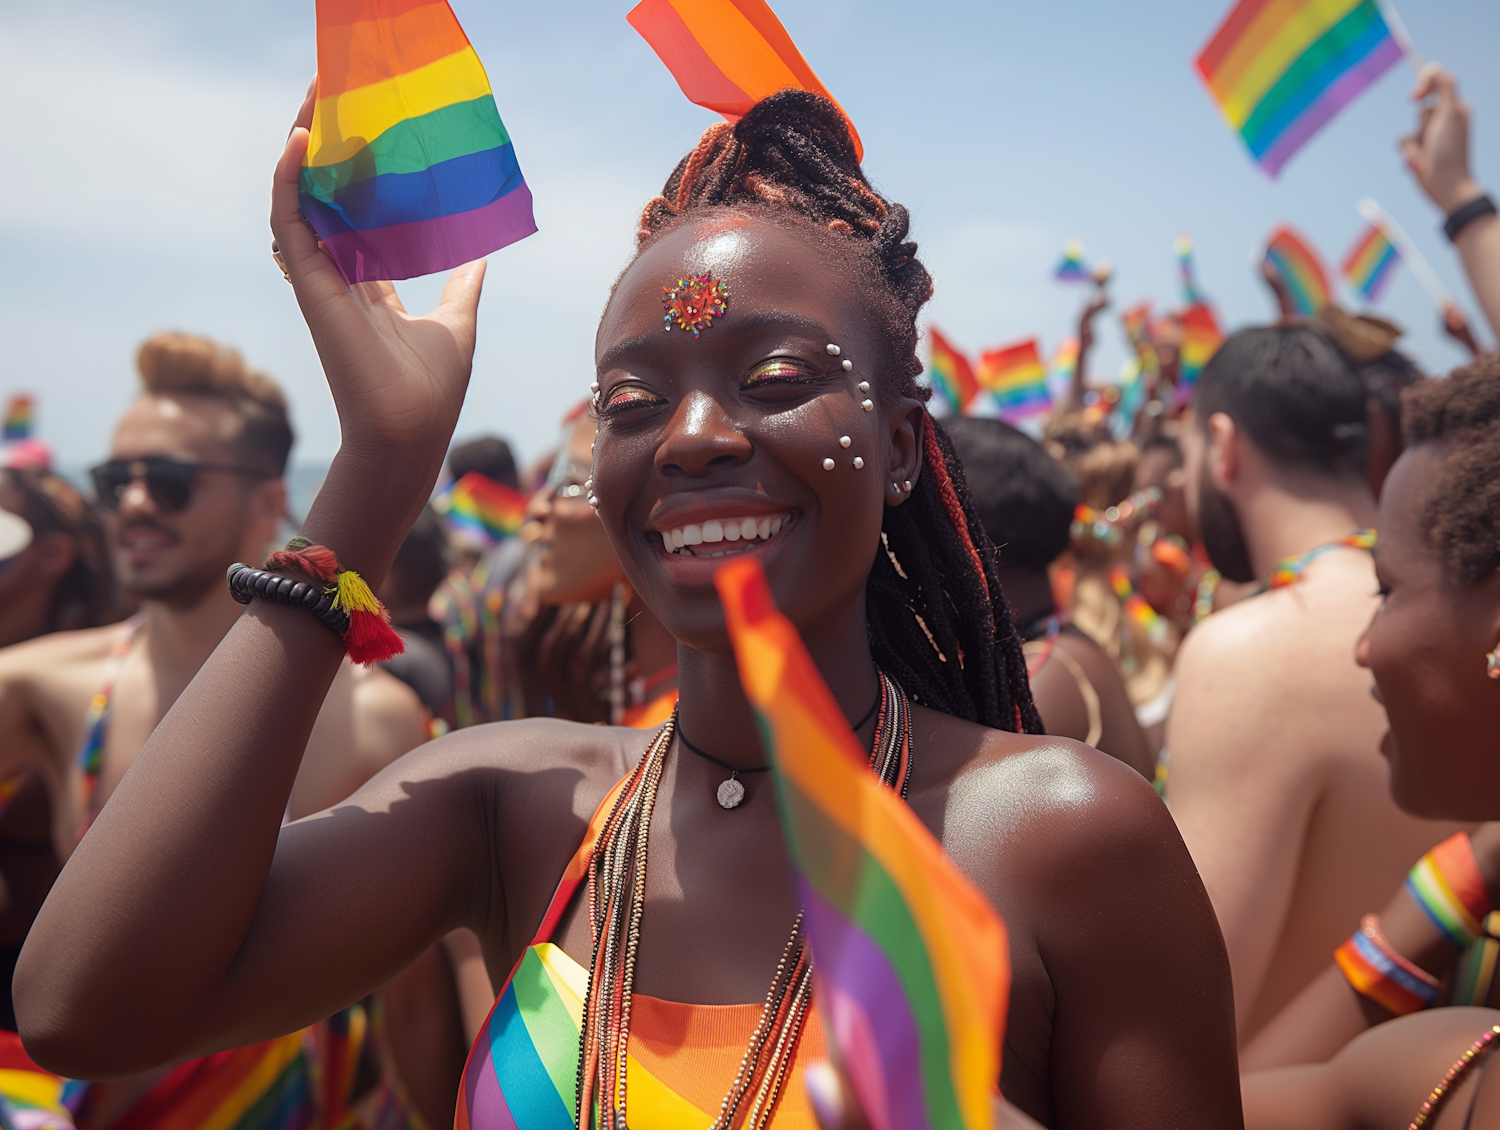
246 584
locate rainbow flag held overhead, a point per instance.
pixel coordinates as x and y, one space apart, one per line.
409 169
486 511
1017 380
1137 324
17 418
912 963
1280 69
1301 269
1072 267
1201 338
951 374
1371 262
727 55
1182 247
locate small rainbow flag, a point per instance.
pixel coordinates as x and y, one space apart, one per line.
1137 323
1201 339
409 169
1300 268
1280 69
1072 268
18 418
1370 262
727 55
487 511
912 963
1017 379
1182 247
951 374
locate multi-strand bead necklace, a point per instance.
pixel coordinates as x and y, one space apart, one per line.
616 897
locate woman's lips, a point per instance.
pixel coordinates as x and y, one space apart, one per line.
718 537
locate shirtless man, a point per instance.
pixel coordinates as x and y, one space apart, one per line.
1276 779
192 484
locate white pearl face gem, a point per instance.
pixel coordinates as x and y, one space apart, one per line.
867 405
864 386
833 349
848 365
858 462
844 441
828 464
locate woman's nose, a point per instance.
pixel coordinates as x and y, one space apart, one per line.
700 437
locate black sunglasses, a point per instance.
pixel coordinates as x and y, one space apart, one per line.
169 481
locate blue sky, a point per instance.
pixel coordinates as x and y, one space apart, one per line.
142 137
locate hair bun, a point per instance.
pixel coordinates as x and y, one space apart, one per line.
774 124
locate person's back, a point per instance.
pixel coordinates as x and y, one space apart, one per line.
1276 780
1026 503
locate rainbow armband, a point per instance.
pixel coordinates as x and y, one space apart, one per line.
1447 885
1375 970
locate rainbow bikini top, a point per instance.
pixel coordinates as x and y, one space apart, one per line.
522 1072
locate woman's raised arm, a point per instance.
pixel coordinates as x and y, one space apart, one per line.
186 920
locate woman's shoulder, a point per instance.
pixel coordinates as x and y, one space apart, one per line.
538 745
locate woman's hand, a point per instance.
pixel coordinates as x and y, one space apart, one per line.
396 380
1438 153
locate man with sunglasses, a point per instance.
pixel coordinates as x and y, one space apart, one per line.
192 484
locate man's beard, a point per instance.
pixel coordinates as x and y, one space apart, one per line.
1219 526
183 590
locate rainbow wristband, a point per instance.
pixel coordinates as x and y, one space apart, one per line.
1447 885
1375 970
1476 968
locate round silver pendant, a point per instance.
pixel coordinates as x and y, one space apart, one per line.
731 792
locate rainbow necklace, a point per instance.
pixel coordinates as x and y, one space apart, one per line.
1289 569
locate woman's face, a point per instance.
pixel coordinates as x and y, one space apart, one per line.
1426 646
574 560
721 441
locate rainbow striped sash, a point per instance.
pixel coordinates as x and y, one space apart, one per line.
261 1087
522 1073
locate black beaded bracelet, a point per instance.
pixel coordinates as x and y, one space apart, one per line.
1465 214
247 584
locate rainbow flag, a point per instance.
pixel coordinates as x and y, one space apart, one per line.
32 1098
1201 339
17 419
1182 247
1017 379
950 373
1370 262
1072 268
912 963
1299 266
727 55
409 169
487 511
1280 69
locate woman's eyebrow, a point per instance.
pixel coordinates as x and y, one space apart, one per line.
754 322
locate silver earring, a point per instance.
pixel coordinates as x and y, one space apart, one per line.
828 464
896 487
907 486
858 462
832 349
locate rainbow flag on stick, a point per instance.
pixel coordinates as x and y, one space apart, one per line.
1280 69
1182 247
727 55
487 511
1017 379
1378 218
1300 268
1370 262
950 373
409 169
913 969
1072 267
17 418
1201 338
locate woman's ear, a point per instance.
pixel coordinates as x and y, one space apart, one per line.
905 464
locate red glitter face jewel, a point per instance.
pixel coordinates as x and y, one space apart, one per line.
694 302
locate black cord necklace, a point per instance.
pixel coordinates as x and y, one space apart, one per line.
731 792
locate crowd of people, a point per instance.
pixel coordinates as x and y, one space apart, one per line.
1204 705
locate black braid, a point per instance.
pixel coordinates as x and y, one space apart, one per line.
944 629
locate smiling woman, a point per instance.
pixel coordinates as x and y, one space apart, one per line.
788 426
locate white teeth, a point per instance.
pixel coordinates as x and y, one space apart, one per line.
718 530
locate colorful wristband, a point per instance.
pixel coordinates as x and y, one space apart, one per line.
1447 885
1476 969
1375 970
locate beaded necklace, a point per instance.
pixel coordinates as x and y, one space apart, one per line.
1289 569
616 897
1441 1092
